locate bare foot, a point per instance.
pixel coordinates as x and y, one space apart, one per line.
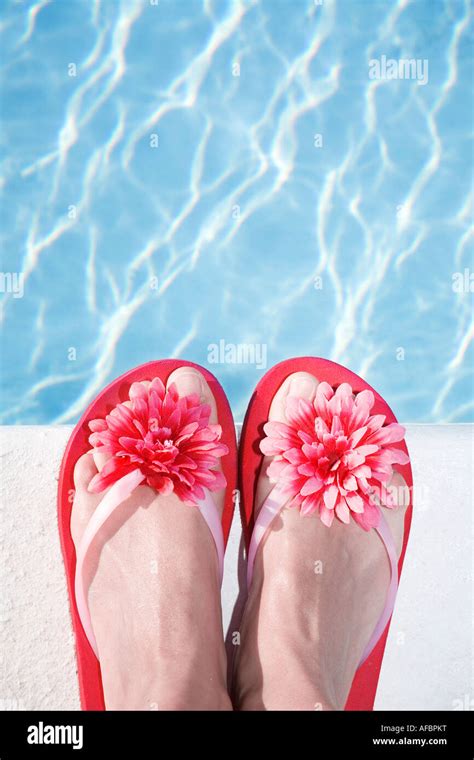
154 594
315 598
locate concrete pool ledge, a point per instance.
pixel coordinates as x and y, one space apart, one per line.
429 651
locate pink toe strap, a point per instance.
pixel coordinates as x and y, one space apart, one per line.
115 496
272 505
120 491
387 539
271 508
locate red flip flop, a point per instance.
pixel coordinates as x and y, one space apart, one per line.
195 446
326 481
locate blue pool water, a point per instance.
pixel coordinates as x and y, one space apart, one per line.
182 174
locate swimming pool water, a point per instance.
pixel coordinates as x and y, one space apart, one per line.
230 183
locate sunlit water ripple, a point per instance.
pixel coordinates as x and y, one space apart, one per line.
237 226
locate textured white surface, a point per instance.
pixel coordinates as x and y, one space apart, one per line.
428 662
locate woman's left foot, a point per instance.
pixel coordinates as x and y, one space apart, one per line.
315 598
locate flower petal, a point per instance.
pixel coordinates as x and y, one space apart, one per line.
342 511
330 496
355 502
311 486
326 515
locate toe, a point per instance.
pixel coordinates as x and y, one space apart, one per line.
99 459
84 502
188 381
399 490
300 384
395 518
84 471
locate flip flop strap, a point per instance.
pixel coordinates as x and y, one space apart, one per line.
271 507
115 496
387 539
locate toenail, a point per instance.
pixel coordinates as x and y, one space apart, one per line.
190 382
301 386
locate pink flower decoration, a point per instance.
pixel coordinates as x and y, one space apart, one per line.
166 436
333 456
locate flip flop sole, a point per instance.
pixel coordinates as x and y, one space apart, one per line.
364 686
90 681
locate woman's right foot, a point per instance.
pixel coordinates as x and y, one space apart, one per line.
154 594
